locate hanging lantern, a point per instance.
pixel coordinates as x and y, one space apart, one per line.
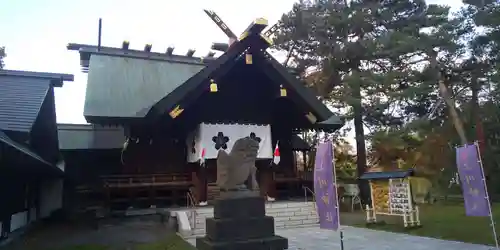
282 91
213 86
248 58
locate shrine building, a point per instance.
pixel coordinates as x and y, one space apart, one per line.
157 121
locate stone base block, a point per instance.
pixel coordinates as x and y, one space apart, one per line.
237 207
269 243
240 223
240 228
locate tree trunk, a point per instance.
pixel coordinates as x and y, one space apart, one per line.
364 188
450 103
448 99
477 133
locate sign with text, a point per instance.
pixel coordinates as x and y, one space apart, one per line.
472 181
325 187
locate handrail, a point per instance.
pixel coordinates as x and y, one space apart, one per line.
191 204
306 190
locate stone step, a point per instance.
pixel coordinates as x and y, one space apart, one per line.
200 231
201 221
280 224
280 205
286 215
306 209
297 216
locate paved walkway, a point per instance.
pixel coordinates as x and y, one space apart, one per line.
365 239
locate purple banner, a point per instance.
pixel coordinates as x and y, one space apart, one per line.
325 187
471 179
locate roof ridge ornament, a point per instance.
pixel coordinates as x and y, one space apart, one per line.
256 27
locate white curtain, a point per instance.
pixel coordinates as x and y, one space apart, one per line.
204 135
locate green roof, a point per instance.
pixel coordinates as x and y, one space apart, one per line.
128 87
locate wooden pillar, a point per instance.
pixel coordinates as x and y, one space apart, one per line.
6 194
196 184
304 160
262 178
199 177
271 188
267 183
4 209
204 183
5 226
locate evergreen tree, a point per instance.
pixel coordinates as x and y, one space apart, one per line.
2 56
364 54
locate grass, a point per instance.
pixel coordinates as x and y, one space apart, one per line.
171 242
448 222
84 247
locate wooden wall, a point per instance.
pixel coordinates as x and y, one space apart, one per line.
155 157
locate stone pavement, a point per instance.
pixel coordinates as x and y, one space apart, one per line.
365 239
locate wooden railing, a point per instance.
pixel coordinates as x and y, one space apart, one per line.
146 180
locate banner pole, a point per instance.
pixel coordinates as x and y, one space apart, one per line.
480 161
337 195
341 240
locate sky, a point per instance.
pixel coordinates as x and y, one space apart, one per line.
36 32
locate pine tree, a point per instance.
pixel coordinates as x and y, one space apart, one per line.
364 54
2 56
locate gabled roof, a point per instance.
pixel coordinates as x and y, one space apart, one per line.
21 96
193 88
134 91
278 73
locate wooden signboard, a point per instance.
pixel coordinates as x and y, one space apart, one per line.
391 197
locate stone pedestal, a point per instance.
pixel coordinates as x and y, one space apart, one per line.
240 223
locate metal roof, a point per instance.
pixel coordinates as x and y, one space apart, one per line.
125 83
89 136
20 101
129 87
387 175
21 96
55 78
86 52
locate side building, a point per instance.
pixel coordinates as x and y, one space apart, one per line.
31 169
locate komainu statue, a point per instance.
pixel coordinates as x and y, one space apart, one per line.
238 167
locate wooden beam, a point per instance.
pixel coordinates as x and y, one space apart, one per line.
220 23
223 47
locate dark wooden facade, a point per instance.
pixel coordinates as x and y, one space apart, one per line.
29 154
